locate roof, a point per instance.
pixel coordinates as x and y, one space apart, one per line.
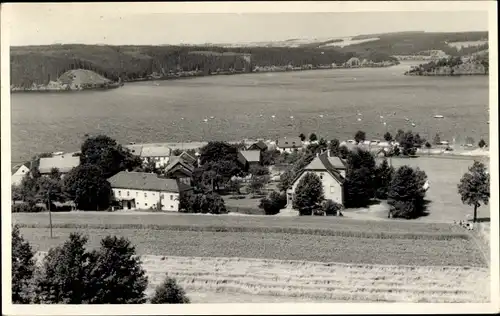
143 181
184 155
17 167
62 162
155 151
260 144
251 155
178 160
289 142
337 163
323 163
135 149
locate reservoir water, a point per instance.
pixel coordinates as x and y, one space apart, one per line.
326 102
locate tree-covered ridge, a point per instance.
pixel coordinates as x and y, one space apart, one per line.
42 64
477 64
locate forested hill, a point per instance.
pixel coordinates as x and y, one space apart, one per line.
41 64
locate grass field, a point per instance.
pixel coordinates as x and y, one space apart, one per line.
224 280
282 246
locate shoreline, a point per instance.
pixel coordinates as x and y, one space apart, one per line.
191 75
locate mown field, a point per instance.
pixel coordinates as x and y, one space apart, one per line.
225 280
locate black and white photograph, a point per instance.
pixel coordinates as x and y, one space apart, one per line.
249 154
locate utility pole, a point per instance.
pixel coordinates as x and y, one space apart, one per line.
50 214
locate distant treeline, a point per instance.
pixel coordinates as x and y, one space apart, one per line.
41 64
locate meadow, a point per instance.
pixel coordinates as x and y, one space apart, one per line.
243 106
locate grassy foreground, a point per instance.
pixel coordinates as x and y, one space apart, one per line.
229 280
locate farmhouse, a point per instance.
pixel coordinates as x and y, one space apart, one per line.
331 170
188 158
289 144
249 158
140 190
18 173
64 163
260 145
159 154
180 168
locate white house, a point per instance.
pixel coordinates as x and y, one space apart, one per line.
331 170
64 163
289 144
18 173
159 154
141 190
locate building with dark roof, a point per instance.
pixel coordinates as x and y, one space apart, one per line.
289 144
331 170
146 191
260 145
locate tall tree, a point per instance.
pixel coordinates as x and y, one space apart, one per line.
383 179
399 135
169 292
302 137
88 188
334 147
387 137
474 187
360 136
23 268
313 137
482 143
309 194
406 193
105 153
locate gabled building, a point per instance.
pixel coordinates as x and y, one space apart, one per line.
331 170
159 154
248 158
18 173
289 144
64 163
260 145
181 169
146 191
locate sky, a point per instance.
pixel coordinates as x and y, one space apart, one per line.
155 24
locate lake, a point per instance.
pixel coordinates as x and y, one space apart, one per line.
242 106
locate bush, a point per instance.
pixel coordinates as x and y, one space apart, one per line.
273 204
202 203
482 143
23 267
331 208
26 208
360 136
169 292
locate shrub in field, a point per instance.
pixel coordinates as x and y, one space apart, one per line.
343 152
169 292
273 203
308 194
26 207
474 187
212 203
383 180
388 137
331 208
286 179
115 275
62 278
23 267
406 193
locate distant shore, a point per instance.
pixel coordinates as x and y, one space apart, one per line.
196 74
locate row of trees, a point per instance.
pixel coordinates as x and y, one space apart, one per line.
70 274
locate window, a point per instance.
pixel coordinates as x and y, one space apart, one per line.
171 206
153 194
145 194
162 196
119 193
146 204
171 197
332 189
136 193
128 193
321 176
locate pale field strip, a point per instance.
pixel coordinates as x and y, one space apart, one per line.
261 279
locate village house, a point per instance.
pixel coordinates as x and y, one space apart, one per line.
180 168
141 190
188 158
260 145
159 154
249 158
18 173
289 144
64 163
331 170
